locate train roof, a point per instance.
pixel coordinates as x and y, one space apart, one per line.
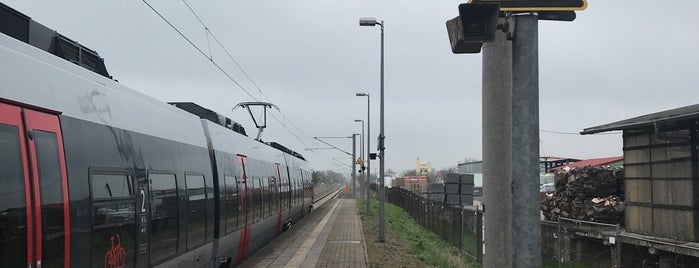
21 27
210 115
87 92
228 123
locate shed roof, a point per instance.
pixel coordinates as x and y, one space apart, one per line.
595 162
679 114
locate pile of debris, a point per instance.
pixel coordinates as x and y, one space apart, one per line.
587 193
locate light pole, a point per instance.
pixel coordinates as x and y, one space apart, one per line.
368 148
361 166
381 145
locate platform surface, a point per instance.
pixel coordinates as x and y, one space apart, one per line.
329 237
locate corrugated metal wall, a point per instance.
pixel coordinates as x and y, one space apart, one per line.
661 181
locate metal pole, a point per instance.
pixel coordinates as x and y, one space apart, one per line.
361 148
617 241
354 166
559 240
382 154
368 151
497 134
526 233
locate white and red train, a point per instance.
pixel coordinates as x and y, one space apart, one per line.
95 174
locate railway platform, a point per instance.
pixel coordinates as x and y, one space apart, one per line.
331 236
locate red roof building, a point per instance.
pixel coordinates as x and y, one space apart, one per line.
615 161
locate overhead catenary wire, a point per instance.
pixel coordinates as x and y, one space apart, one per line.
284 118
226 51
245 73
199 49
230 77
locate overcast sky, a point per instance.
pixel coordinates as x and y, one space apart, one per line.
618 59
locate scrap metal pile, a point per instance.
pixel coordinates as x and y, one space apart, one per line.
587 193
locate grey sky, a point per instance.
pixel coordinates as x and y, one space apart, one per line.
619 59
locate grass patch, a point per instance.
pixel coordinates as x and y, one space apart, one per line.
424 246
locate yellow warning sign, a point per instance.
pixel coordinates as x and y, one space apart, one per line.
359 161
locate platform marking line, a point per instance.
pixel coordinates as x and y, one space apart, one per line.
303 250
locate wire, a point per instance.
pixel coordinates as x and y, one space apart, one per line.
575 133
210 58
247 76
226 51
199 49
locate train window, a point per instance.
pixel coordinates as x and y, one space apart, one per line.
196 207
209 185
53 224
273 197
264 182
285 194
295 191
256 199
232 203
111 186
13 207
164 216
113 217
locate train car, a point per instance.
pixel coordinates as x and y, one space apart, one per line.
95 174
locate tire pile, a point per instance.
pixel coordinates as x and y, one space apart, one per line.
587 193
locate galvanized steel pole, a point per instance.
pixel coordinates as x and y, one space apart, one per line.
382 154
497 134
526 228
368 151
361 149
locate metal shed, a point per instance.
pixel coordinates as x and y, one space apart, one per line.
661 172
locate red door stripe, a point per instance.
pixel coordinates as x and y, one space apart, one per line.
12 115
47 122
245 205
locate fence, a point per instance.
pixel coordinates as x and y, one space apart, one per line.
564 242
576 242
460 226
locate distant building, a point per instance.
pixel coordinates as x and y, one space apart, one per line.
412 183
548 164
614 161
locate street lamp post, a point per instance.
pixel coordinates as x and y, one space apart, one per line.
361 166
368 148
381 145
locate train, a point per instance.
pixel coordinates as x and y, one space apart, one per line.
95 174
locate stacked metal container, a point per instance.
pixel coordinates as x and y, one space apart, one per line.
435 191
458 189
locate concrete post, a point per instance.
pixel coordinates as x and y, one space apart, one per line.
526 227
497 99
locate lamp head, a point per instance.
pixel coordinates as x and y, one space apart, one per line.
362 94
367 21
358 120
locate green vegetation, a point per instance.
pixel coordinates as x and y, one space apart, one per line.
327 176
426 246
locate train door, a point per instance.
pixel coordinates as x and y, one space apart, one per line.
34 215
245 217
